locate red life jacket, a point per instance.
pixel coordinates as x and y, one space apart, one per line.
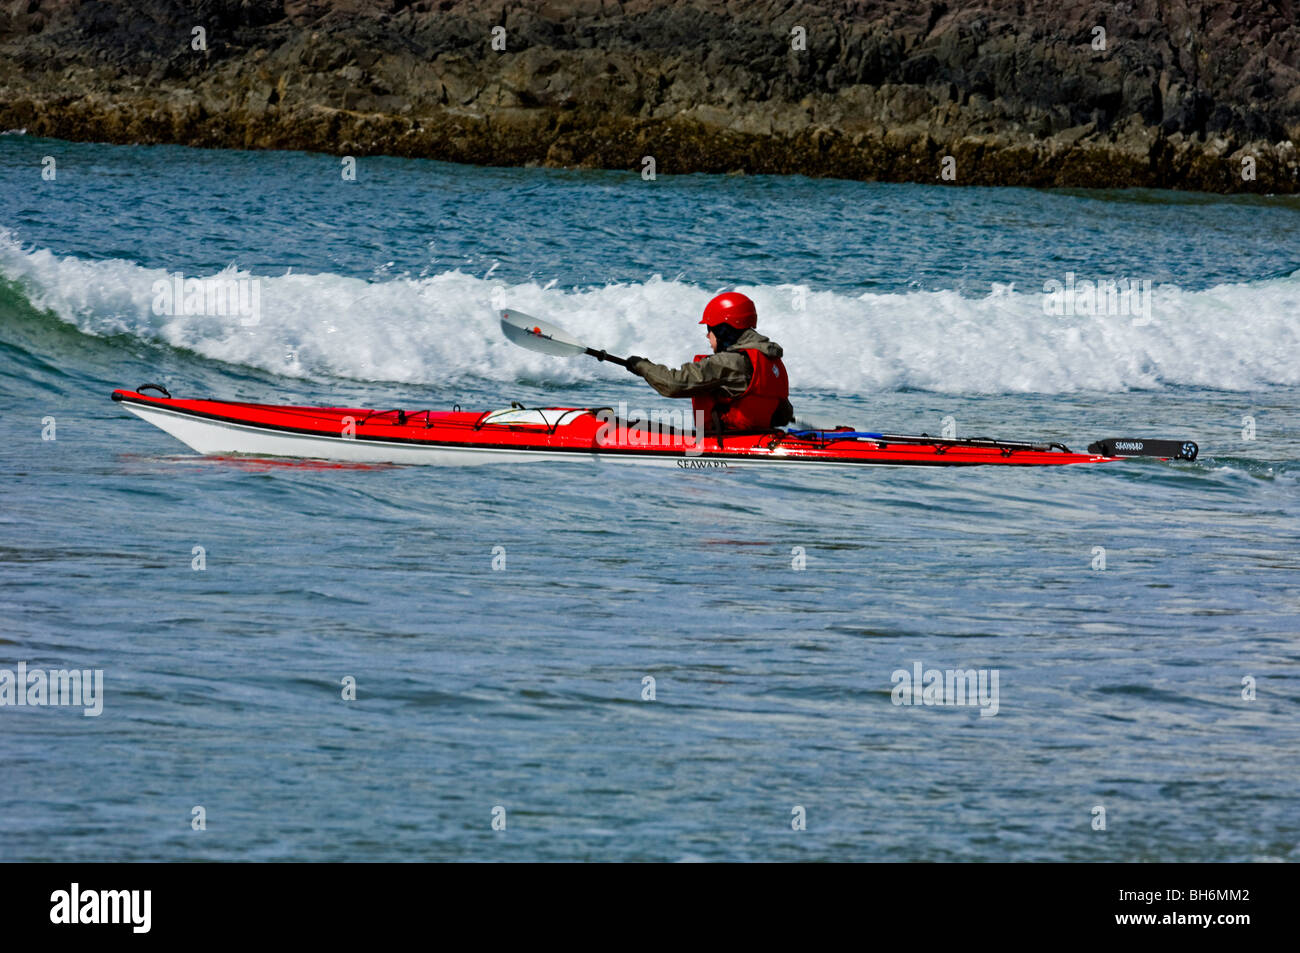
752 410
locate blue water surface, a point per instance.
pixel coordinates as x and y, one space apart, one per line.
502 623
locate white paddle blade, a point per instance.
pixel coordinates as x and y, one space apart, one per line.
537 335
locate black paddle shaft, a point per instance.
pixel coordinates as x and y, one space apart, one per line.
602 356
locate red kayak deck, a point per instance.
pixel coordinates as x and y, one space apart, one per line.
238 427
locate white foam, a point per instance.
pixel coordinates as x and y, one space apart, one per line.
444 329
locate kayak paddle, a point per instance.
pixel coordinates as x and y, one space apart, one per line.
537 335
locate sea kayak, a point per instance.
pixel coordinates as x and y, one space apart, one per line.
519 434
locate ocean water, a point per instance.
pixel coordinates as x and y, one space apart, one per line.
771 609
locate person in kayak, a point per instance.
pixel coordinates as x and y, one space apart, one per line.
740 387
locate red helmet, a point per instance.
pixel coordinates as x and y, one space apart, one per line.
733 308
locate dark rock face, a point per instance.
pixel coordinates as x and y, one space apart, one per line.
1188 94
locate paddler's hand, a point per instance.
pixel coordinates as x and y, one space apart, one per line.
632 362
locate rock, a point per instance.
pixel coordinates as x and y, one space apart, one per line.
880 91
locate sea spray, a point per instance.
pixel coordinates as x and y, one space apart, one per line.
443 329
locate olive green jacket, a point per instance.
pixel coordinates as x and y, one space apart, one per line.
725 374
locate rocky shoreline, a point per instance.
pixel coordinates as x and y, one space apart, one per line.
1194 95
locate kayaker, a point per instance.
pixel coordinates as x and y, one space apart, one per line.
742 385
